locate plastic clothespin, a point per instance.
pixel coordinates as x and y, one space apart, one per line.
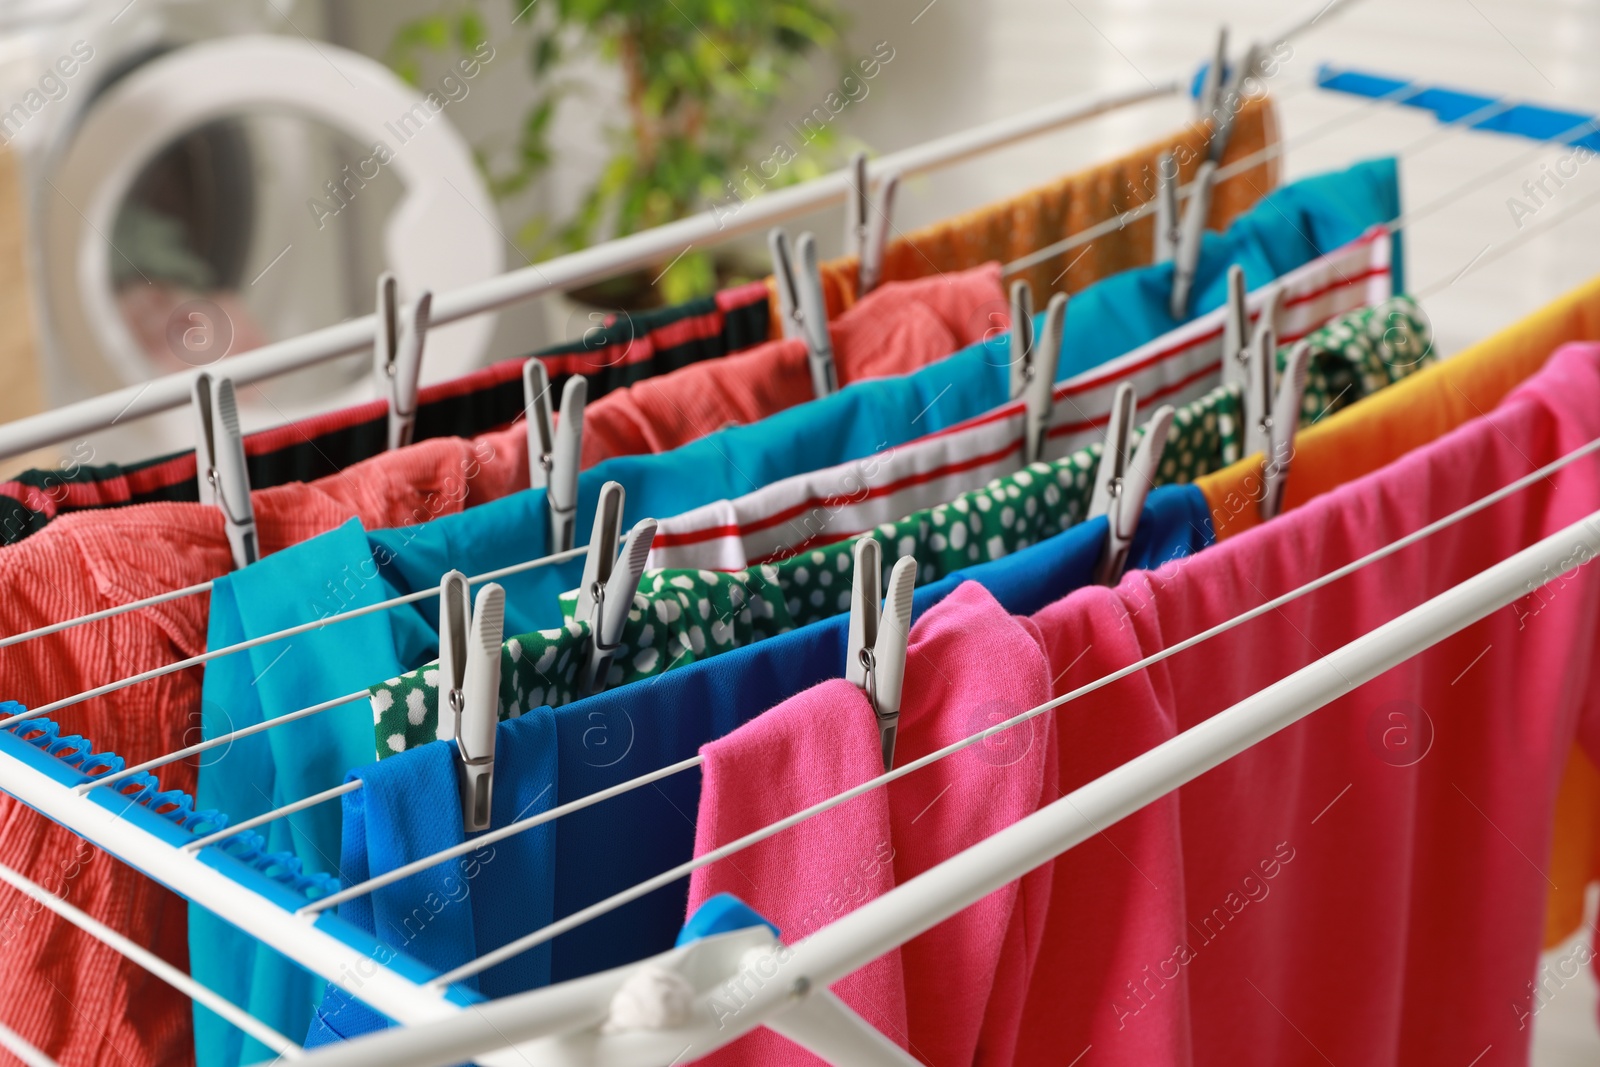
875 657
555 447
1272 411
803 307
220 464
1187 257
609 584
1021 335
1228 102
397 357
1236 331
1124 479
866 232
1168 222
469 664
1043 357
1210 97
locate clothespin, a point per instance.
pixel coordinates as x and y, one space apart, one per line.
1034 363
1236 330
554 447
609 586
397 357
1272 411
875 657
469 666
220 464
1228 103
804 310
1168 222
1210 97
1124 479
1187 257
866 232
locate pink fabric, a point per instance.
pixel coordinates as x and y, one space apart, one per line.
956 989
1351 890
75 999
895 329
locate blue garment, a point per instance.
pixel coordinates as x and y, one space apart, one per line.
349 567
409 807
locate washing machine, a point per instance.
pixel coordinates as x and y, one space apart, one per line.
208 176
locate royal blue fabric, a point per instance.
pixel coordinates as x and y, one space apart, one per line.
408 806
349 567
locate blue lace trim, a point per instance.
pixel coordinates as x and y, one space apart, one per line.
144 788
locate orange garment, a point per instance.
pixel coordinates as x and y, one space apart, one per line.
898 328
75 999
1382 428
1014 227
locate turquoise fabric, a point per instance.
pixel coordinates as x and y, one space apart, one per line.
349 567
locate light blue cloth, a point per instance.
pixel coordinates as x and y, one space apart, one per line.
349 567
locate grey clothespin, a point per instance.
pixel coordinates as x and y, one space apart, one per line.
875 656
866 232
1187 257
397 357
1235 330
609 584
1272 411
469 694
1229 101
1039 378
802 305
1021 335
1124 479
220 464
1168 223
554 448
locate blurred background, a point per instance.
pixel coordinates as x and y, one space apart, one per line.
182 181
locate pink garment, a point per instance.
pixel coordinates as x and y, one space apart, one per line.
75 999
957 988
895 329
1368 885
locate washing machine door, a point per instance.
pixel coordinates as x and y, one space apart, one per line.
244 190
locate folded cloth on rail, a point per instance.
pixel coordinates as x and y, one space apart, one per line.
896 329
1379 431
549 757
680 616
351 567
623 349
1220 924
78 1000
816 508
1032 220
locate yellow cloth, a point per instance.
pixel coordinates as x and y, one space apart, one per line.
1383 427
1012 228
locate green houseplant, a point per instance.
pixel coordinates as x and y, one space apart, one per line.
700 80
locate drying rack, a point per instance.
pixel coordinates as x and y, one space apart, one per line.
785 987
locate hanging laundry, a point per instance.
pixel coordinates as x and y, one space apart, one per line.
898 328
600 743
611 356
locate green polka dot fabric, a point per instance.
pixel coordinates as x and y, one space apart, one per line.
1358 354
680 616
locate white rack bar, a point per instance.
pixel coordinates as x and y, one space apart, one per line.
302 941
852 941
566 272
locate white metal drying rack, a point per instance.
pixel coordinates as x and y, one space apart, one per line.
793 999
